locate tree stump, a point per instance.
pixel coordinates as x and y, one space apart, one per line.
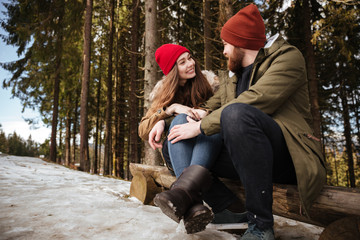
343 229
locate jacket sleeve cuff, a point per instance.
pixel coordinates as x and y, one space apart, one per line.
201 130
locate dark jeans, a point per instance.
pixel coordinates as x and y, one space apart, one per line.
258 154
255 152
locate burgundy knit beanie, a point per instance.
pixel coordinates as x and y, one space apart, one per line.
167 54
245 29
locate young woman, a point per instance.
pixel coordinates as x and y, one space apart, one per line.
178 101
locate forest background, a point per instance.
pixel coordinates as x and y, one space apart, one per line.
88 68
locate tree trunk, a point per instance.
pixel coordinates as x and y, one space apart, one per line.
60 155
133 82
151 157
96 135
225 12
122 126
54 123
76 115
311 70
109 84
356 105
68 133
119 162
101 158
84 144
347 133
207 35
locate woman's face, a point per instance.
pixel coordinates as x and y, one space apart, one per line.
186 68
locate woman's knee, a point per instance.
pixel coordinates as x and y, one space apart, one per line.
179 119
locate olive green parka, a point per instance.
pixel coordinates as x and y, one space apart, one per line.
279 88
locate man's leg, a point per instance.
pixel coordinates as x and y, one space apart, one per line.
255 144
219 197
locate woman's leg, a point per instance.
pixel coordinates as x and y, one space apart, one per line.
202 150
191 160
180 153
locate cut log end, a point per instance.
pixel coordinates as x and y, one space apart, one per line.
144 188
343 229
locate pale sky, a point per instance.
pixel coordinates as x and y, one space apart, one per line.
11 117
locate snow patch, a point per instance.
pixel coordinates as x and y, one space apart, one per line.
41 200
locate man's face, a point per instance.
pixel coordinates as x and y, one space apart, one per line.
234 55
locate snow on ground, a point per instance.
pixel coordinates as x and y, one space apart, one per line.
41 200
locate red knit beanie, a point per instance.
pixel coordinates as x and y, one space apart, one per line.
167 54
245 29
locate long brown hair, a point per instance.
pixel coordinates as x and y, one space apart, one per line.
195 91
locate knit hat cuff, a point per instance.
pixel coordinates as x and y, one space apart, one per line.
241 41
170 64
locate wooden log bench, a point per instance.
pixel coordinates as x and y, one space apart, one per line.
335 207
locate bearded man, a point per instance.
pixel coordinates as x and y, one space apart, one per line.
262 112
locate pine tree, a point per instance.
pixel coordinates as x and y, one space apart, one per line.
84 145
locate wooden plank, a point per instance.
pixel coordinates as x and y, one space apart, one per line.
332 204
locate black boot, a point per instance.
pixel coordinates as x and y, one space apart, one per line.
184 198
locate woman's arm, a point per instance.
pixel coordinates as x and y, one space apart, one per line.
148 122
175 109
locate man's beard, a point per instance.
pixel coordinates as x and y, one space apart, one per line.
235 60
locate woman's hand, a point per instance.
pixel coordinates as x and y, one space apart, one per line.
176 108
155 134
201 113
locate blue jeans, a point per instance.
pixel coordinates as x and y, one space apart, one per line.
201 150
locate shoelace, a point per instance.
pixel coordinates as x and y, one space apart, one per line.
252 229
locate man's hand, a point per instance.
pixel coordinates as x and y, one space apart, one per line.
184 131
155 134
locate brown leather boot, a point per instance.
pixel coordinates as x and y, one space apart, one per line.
197 218
184 197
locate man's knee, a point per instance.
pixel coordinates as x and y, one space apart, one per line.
235 114
233 110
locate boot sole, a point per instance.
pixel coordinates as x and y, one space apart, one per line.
167 207
198 221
